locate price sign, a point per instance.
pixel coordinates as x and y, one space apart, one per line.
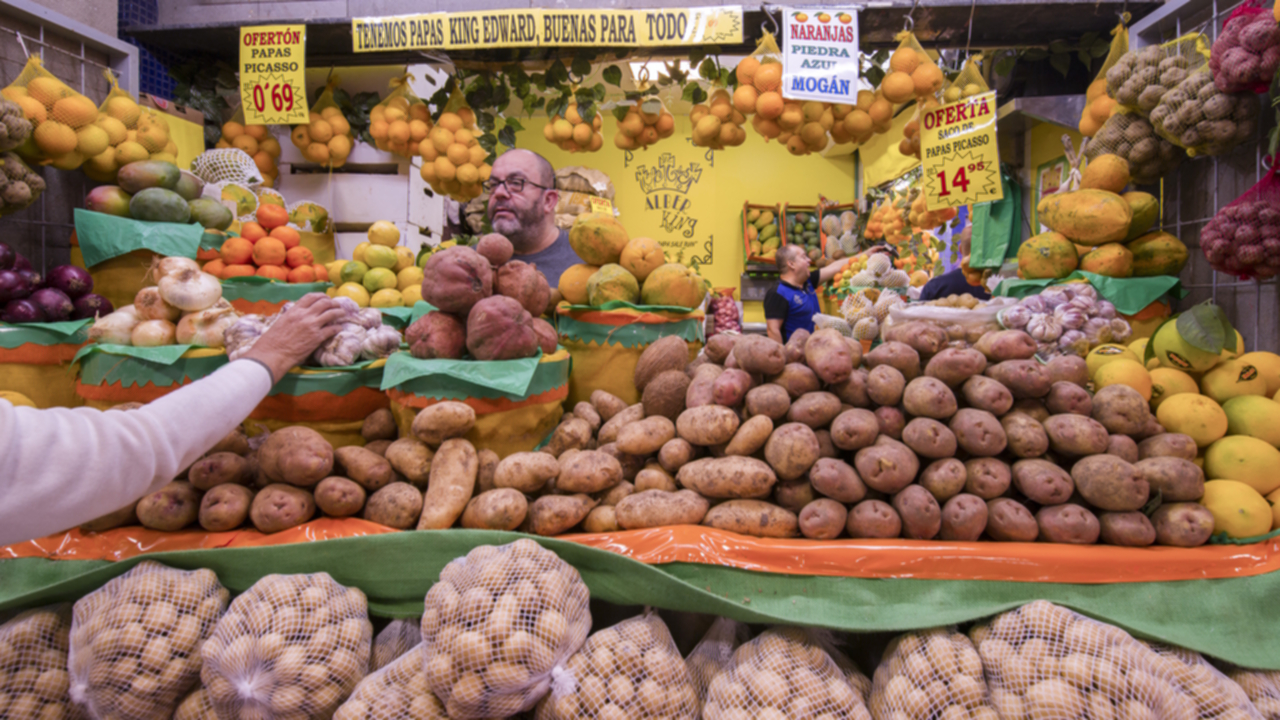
272 70
600 205
961 162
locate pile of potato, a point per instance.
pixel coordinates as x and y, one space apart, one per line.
1140 78
289 646
136 641
33 665
1262 687
931 674
196 706
1198 116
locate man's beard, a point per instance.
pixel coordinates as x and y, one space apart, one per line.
521 229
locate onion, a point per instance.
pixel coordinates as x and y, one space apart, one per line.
164 267
207 327
91 306
54 303
21 263
116 328
7 257
71 280
190 290
152 307
33 278
22 311
150 333
13 286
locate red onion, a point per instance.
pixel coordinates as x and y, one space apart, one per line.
7 257
71 280
91 305
13 286
54 303
21 311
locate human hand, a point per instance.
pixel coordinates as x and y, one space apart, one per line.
297 333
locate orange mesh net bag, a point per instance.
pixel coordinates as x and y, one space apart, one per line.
135 642
931 674
713 652
291 646
497 626
33 665
631 671
396 639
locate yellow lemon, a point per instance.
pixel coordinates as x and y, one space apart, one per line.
412 295
378 278
379 256
335 269
386 298
1238 509
404 258
408 277
16 399
361 249
352 272
355 291
384 233
1109 352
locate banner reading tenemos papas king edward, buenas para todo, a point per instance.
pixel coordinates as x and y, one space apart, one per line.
820 55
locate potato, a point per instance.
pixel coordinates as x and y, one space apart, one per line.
588 412
396 505
1069 368
854 390
831 358
944 478
1123 447
1066 397
486 465
602 519
364 467
793 495
378 447
1168 445
759 354
885 385
837 480
1182 524
653 477
929 397
1010 521
873 519
791 450
607 404
929 438
279 507
701 385
1071 524
925 338
823 519
614 494
854 429
1032 408
898 355
589 471
771 401
1128 529
730 387
1121 410
750 437
954 366
888 466
1109 483
646 436
706 425
1043 482
986 477
815 409
1006 345
225 507
663 355
978 432
170 508
499 509
453 480
655 508
1024 378
126 515
1026 436
631 464
609 431
339 497
753 517
675 454
444 420
379 425
234 442
557 514
1076 435
983 393
411 458
728 477
574 433
665 395
797 379
297 456
964 518
218 468
720 346
921 516
891 422
794 347
1176 480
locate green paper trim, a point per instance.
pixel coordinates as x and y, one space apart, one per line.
1129 295
402 317
255 289
103 237
632 335
547 376
497 378
624 305
160 355
337 381
101 368
69 332
207 239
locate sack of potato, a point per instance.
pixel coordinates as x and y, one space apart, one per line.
1140 78
1198 116
931 674
396 639
1262 687
1131 137
196 706
783 673
396 692
713 652
33 665
291 646
1247 52
632 670
1197 688
136 641
496 626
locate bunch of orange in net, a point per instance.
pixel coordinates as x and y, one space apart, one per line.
398 124
922 217
326 140
258 143
802 127
453 161
718 124
888 221
1097 108
267 248
645 123
572 133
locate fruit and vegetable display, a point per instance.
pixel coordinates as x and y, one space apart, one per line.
267 247
1066 320
617 266
258 143
184 307
801 229
761 228
27 297
718 124
382 273
1247 52
362 337
866 309
326 140
158 191
645 123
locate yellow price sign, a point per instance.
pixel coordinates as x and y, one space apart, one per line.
960 159
600 205
272 74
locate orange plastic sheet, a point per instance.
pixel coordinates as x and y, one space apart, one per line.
321 406
32 354
880 559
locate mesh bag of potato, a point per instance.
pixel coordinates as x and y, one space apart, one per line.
20 186
1243 238
61 118
1198 116
396 692
1247 52
1262 687
396 639
326 140
33 665
453 161
713 652
931 674
195 706
496 626
401 120
1128 135
1140 78
784 673
1098 102
1196 688
630 671
291 646
135 642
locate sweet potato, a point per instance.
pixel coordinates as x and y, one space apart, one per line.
954 366
526 472
296 455
279 507
452 482
396 505
646 436
797 379
978 432
217 469
791 450
759 354
888 466
557 514
369 469
379 425
1109 483
728 477
675 454
944 478
656 508
964 518
1026 436
1006 345
1010 521
225 507
885 385
986 477
170 508
831 358
929 438
921 516
753 517
1070 523
823 519
815 409
1043 482
498 509
444 420
1068 397
854 429
588 471
411 458
1127 529
750 437
898 355
769 400
983 393
707 425
339 496
873 519
607 404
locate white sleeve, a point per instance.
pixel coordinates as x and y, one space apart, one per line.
61 467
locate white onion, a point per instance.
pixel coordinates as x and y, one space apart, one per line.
150 333
190 290
151 306
167 266
207 327
115 328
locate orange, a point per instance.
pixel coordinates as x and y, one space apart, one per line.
927 79
257 132
299 256
236 251
321 272
904 60
273 272
768 77
897 87
881 111
264 162
214 267
746 70
231 271
303 274
272 216
269 251
286 235
252 231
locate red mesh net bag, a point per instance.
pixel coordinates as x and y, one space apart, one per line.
1247 52
931 674
1243 239
33 665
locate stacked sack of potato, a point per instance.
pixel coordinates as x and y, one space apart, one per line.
931 674
34 682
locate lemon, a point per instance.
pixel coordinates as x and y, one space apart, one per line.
378 256
352 272
378 279
404 258
361 249
335 269
1238 510
422 260
408 277
384 233
16 399
1124 372
354 291
412 295
387 298
1107 353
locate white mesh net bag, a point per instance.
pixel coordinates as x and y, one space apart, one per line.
396 639
713 652
1262 687
631 671
291 646
135 642
1197 689
33 665
784 673
196 706
498 623
931 674
396 692
222 165
309 216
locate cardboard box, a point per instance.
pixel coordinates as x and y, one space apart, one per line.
171 108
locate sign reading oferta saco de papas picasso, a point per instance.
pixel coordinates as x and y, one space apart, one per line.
536 27
820 54
959 154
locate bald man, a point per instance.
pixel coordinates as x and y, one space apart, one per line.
791 304
522 207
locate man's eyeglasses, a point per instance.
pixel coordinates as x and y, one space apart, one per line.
515 185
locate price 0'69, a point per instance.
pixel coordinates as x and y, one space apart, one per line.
281 97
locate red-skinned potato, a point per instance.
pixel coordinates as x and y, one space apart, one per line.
339 496
873 519
823 519
964 518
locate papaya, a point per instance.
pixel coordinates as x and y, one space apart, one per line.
1146 210
673 284
598 238
160 205
1111 260
612 282
1157 253
1047 255
1087 217
1105 172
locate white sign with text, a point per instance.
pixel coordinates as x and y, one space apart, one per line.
820 54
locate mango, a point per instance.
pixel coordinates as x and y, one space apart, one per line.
1047 255
1254 416
1231 379
1172 351
1087 217
109 199
1195 415
156 204
210 213
1238 509
1157 253
1244 459
1108 352
1145 209
1110 260
1167 382
138 176
189 185
612 282
1268 365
